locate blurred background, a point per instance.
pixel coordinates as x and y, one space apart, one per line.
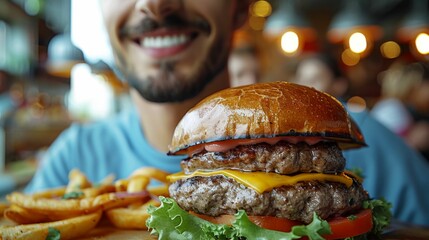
54 56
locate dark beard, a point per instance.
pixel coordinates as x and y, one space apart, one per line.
168 85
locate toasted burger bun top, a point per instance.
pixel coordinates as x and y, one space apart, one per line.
266 110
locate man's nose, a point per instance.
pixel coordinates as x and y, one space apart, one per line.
158 9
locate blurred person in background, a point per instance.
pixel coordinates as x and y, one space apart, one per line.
244 63
391 169
172 54
418 105
244 66
396 84
403 106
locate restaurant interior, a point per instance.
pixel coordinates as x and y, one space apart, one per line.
49 67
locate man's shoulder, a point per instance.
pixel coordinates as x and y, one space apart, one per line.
383 144
367 123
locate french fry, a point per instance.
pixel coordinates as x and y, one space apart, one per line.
52 193
68 209
130 218
161 190
120 199
137 184
3 207
79 206
121 185
108 180
96 191
151 172
21 215
69 229
73 207
77 181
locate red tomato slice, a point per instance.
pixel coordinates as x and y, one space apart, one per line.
267 222
342 227
274 223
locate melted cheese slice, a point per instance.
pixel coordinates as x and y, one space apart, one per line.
262 181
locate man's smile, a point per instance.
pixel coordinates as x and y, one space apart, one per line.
165 43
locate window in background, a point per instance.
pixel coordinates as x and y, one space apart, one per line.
91 97
16 50
3 31
88 32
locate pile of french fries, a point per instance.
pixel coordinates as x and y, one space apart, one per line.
74 210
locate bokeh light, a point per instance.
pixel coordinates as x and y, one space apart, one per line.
356 104
261 8
290 42
422 43
350 58
357 42
257 23
390 49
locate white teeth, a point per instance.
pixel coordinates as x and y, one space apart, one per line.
163 42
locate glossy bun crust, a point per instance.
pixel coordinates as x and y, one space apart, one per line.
266 110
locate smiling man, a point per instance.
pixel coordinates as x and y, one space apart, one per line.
172 53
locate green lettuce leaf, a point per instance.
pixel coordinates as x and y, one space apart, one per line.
251 231
73 195
381 214
314 230
169 221
53 234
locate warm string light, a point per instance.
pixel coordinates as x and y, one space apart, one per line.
256 23
422 43
287 28
357 46
259 10
414 29
350 58
390 49
358 42
356 104
290 42
358 39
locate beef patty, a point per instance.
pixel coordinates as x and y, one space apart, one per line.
220 195
283 158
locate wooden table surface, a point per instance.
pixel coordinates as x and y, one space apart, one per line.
398 230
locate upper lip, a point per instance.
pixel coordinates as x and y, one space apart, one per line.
161 32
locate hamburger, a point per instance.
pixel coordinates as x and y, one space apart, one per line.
266 160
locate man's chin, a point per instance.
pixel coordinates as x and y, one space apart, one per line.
163 90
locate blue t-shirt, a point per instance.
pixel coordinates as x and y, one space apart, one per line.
98 149
392 170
